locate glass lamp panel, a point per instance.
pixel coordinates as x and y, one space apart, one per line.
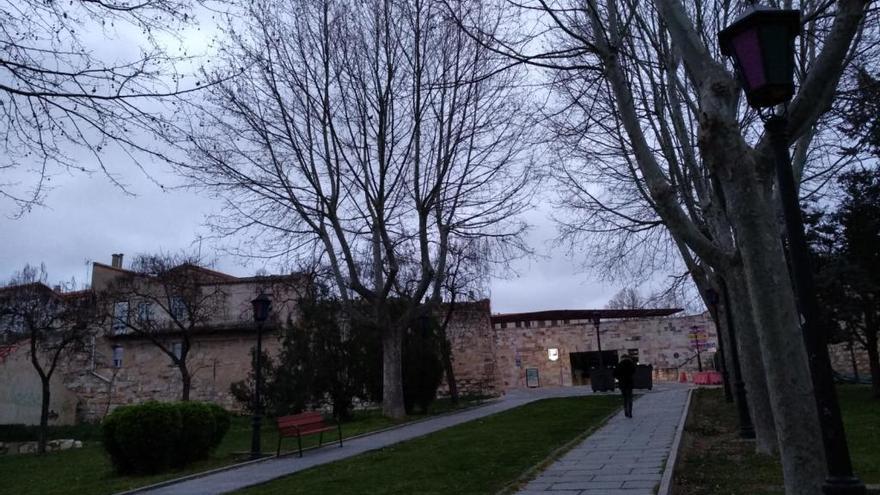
747 47
777 42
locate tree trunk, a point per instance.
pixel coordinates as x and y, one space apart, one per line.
874 363
185 380
42 433
751 364
446 355
781 340
852 358
392 372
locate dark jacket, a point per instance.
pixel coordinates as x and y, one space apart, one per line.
624 372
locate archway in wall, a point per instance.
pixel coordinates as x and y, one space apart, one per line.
583 362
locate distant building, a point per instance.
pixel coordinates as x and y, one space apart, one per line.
491 353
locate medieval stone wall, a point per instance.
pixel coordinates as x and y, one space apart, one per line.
473 350
661 342
842 357
147 373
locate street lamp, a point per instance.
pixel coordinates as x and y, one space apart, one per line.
746 428
761 43
262 304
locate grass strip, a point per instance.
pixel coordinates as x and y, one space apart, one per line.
481 456
716 461
87 471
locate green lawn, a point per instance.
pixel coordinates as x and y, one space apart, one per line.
716 461
481 456
87 471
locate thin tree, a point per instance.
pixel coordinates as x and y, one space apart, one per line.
166 300
372 135
53 324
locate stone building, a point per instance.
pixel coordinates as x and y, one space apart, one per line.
119 365
497 353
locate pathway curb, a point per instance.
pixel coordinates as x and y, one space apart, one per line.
668 471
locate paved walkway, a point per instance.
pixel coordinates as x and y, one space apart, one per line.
260 472
624 457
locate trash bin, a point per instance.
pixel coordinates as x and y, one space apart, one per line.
602 379
644 376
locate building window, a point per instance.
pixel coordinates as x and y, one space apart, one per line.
503 324
177 349
553 323
518 324
117 356
120 317
145 312
528 324
178 308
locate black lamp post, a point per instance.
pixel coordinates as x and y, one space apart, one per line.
746 428
262 304
596 322
761 43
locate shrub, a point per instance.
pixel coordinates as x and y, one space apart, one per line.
196 433
153 436
222 422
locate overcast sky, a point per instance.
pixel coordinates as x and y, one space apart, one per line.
86 218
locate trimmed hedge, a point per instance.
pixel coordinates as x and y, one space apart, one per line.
155 436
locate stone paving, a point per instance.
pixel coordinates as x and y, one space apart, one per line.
624 457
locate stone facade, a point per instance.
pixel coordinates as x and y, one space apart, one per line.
472 342
842 357
493 357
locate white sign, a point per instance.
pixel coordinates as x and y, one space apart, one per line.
553 353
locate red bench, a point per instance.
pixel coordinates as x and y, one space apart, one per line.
305 423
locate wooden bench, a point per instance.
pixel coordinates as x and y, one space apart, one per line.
306 423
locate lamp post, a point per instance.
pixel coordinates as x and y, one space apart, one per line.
761 43
596 322
262 304
746 428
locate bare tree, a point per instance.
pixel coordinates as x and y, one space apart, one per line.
53 323
166 300
64 105
373 135
661 112
626 298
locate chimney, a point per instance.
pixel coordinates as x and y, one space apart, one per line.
117 261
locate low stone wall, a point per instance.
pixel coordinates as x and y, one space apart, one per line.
14 448
842 356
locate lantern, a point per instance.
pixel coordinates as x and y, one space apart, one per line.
261 308
761 42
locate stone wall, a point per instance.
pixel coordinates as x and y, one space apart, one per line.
147 373
842 359
473 350
21 393
661 342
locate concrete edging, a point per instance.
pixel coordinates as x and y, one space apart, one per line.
666 480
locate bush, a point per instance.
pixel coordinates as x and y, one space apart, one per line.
153 436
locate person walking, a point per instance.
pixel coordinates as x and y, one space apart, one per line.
624 372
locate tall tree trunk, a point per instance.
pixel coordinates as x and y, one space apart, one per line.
392 372
874 362
446 355
42 433
781 340
852 358
751 363
185 380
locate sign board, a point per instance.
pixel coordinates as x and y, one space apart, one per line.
698 339
553 354
532 378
